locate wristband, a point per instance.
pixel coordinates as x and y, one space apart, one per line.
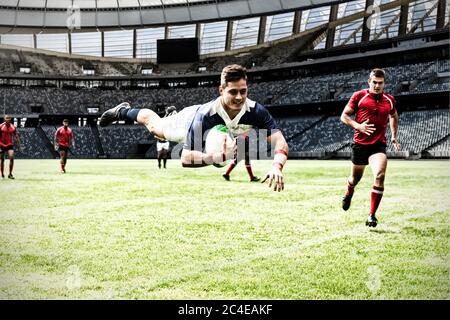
281 151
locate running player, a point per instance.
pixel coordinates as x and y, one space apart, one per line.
372 107
8 138
63 139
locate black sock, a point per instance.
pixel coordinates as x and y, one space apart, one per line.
129 114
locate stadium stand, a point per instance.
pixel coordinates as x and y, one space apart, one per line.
441 149
418 130
32 146
420 78
117 141
326 136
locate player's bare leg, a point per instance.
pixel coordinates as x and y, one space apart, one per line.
62 161
378 163
123 111
2 164
162 155
11 163
151 121
356 174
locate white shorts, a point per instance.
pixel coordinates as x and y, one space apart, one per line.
162 146
175 128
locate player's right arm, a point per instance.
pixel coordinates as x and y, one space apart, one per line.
195 158
192 155
364 127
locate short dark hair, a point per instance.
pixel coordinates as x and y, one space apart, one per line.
377 72
66 120
231 73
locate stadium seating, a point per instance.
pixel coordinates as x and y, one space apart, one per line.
117 140
32 147
325 136
420 129
416 78
307 136
440 149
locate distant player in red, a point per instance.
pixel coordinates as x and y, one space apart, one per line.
63 140
236 159
372 108
8 138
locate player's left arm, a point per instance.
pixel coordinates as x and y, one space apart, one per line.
393 124
275 175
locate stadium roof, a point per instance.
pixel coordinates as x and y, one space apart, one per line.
94 29
85 15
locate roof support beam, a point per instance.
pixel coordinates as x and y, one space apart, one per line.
262 29
440 17
331 31
403 23
297 22
229 35
69 41
102 39
134 42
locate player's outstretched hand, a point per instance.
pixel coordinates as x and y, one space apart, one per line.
275 177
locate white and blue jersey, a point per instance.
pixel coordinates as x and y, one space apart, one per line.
252 115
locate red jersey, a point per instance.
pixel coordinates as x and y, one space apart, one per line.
373 107
6 133
64 135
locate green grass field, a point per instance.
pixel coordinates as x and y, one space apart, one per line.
122 229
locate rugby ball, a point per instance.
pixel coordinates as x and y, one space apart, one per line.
215 139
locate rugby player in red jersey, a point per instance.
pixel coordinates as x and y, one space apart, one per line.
64 138
8 138
372 107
